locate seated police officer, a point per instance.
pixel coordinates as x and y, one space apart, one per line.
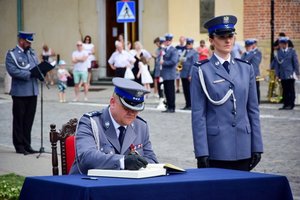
115 138
225 112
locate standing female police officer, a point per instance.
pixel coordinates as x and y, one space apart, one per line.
225 114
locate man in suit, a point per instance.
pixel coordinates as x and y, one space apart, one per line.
20 64
115 138
168 73
253 55
225 112
188 60
286 67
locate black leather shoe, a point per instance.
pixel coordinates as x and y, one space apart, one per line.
289 108
186 108
168 111
22 151
283 108
31 150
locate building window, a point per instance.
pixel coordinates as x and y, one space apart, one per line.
207 11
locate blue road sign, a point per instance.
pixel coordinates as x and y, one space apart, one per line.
125 11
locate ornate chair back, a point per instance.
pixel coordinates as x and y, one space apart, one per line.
66 138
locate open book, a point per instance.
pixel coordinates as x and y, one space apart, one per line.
150 171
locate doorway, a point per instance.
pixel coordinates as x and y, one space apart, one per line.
114 29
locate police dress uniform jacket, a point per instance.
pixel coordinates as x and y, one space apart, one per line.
18 64
170 58
229 131
253 57
191 58
157 64
286 64
109 153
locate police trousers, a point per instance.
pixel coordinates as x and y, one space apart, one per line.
23 110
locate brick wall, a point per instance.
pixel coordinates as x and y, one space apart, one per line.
257 16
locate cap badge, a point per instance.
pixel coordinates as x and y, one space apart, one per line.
139 93
226 20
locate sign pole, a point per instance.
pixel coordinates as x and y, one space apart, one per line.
125 36
125 14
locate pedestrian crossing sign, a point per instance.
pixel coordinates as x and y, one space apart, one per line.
125 11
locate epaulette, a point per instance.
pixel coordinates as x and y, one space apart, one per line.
244 61
93 114
199 63
11 50
141 119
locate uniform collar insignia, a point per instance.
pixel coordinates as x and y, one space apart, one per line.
217 63
106 124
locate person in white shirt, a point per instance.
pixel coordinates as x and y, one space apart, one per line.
80 71
120 60
90 48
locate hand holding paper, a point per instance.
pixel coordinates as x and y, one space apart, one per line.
41 70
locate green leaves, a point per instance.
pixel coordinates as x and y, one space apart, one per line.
10 186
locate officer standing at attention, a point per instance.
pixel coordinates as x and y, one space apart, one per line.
188 60
20 63
225 112
168 73
286 67
253 55
115 138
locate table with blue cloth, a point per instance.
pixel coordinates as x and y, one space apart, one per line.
202 184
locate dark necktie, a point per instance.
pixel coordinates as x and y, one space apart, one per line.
121 135
225 65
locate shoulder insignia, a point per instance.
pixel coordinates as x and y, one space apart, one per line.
138 117
240 60
199 63
93 113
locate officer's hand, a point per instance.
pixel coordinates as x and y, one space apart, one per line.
134 162
255 158
202 162
35 73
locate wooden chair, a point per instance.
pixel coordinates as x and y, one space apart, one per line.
66 138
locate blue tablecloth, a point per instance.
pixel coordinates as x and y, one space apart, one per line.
208 183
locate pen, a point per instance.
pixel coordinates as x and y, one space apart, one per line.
89 178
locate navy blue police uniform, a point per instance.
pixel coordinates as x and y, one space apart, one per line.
24 91
99 146
254 58
225 114
286 66
168 73
188 60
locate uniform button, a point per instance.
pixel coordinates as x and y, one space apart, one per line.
233 112
233 124
230 86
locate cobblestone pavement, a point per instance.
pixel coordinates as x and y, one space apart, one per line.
170 133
